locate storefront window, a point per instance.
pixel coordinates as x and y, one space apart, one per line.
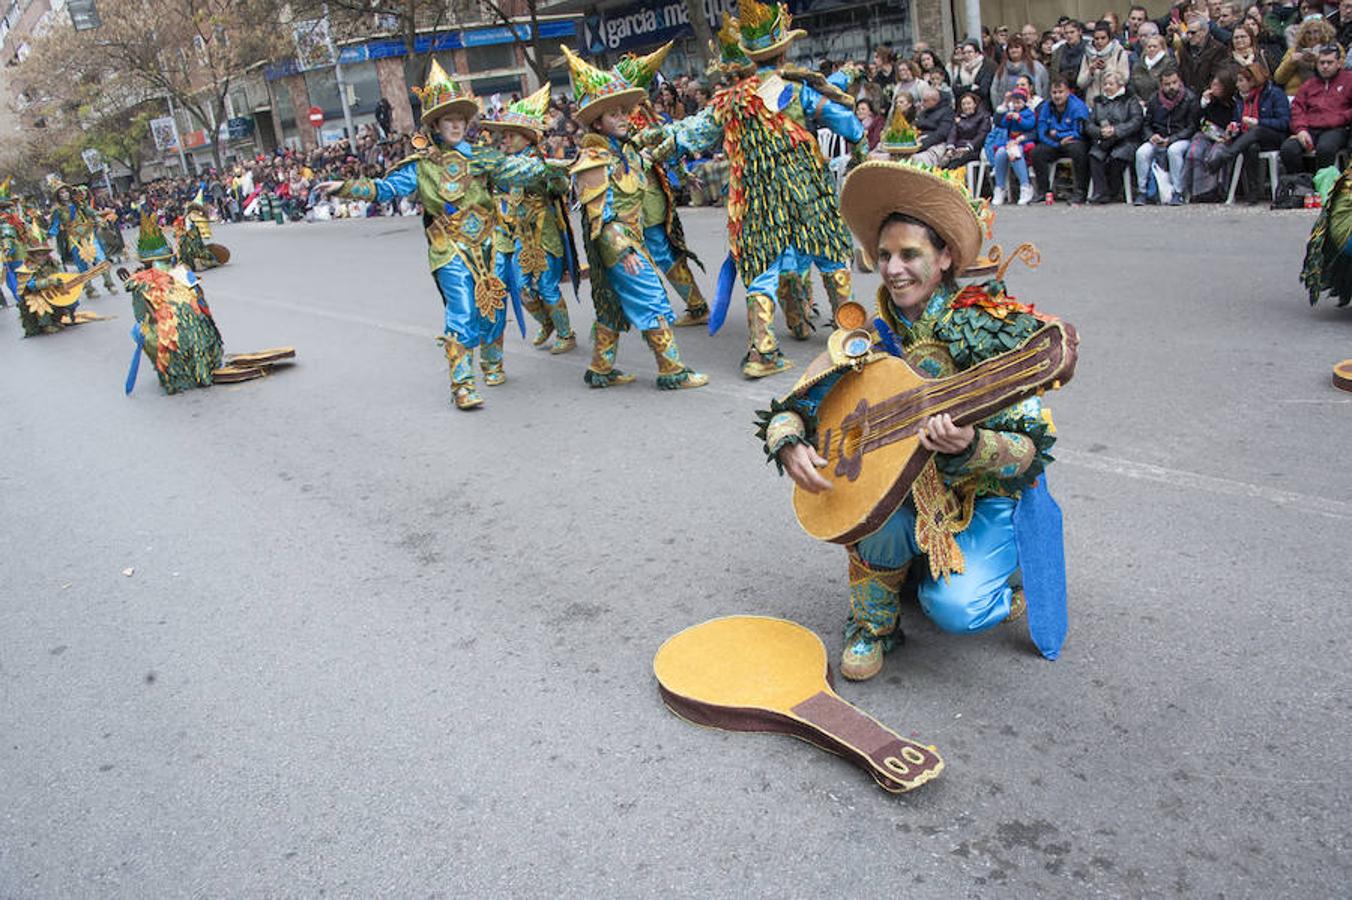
495 56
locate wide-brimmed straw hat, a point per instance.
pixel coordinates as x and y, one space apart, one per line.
876 190
525 117
443 95
598 90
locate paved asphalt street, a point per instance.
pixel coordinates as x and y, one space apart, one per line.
372 646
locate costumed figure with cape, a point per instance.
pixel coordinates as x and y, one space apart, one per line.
610 180
455 182
11 243
532 226
782 205
979 512
37 313
1328 254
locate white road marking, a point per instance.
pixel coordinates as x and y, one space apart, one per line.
760 392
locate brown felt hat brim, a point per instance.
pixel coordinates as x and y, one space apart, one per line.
877 189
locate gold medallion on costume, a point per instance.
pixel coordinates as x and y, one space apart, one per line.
532 260
489 293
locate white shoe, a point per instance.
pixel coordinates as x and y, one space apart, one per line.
998 197
1025 195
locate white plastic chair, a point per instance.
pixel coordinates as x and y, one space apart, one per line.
1273 159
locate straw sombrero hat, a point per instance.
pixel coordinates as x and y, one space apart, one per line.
525 117
598 90
766 30
876 190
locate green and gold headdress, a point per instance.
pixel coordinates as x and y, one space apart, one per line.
6 191
765 30
526 116
442 94
598 90
727 46
151 244
641 70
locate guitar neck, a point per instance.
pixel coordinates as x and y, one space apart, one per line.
971 396
85 277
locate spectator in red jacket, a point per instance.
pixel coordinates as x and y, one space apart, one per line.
1321 113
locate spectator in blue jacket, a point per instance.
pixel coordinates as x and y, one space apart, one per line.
1060 135
1264 123
1012 137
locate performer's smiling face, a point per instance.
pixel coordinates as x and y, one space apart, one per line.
614 123
451 128
911 266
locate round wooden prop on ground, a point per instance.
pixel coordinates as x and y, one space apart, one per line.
1342 375
219 251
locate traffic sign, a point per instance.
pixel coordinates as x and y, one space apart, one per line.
316 116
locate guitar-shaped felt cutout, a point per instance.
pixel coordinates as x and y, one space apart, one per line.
869 427
756 673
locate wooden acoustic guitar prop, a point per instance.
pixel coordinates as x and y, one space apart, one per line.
869 427
755 673
65 292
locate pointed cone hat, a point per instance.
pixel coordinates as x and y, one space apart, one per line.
641 70
442 94
6 194
766 30
34 238
151 244
526 116
599 90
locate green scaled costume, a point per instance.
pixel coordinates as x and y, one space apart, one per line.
176 330
1328 254
193 250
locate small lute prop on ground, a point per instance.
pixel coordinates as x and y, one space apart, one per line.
220 251
1342 375
66 292
755 673
868 427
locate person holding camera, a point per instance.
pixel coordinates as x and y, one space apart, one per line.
1104 56
1302 60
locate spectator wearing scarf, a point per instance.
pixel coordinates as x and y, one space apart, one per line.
1264 122
1145 72
1102 57
1018 62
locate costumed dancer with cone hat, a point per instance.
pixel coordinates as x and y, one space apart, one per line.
77 223
36 314
663 233
610 180
194 230
174 326
11 243
454 181
782 206
979 511
532 240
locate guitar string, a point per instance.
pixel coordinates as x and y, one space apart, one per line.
931 395
873 434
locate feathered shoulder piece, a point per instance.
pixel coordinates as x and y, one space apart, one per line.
983 321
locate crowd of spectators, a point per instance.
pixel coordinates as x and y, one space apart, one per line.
1171 105
1168 105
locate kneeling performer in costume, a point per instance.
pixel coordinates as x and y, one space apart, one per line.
970 496
610 180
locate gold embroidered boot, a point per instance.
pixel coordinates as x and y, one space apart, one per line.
602 372
696 307
490 360
763 358
875 607
567 339
461 361
839 288
795 296
537 311
672 374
